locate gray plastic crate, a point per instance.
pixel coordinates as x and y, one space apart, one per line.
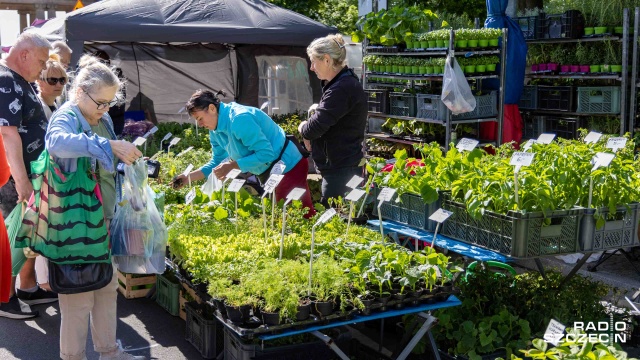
377 100
205 334
519 235
529 97
486 106
375 125
533 127
431 107
411 210
237 349
168 294
599 100
617 232
402 104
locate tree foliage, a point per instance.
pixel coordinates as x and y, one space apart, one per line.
341 14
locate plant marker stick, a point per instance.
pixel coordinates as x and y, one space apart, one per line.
380 220
236 201
349 220
352 197
273 207
284 226
590 190
366 195
515 183
264 216
435 236
313 242
632 304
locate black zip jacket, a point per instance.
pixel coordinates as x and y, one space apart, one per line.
336 129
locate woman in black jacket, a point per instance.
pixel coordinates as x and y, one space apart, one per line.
336 129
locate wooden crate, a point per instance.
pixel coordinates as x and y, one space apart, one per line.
135 287
191 293
183 314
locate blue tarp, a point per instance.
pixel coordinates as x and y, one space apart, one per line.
516 50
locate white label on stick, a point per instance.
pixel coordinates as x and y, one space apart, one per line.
326 216
296 194
554 332
355 195
467 144
166 137
592 137
233 173
546 138
354 182
616 143
522 158
152 131
386 194
188 170
528 144
190 196
272 182
185 151
278 168
174 141
139 141
236 185
602 160
440 215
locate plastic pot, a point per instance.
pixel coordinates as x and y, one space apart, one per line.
303 312
409 44
438 70
400 299
219 303
589 30
428 70
271 318
542 67
564 68
463 43
388 68
481 68
323 308
401 69
422 70
428 44
234 314
472 43
552 66
598 30
594 68
394 68
483 43
618 29
584 68
535 68
616 68
491 67
574 68
245 310
494 42
605 68
415 69
440 43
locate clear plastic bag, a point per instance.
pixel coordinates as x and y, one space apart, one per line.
212 185
456 93
138 234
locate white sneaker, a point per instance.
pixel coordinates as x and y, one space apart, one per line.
120 354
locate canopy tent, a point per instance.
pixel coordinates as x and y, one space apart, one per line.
169 48
515 69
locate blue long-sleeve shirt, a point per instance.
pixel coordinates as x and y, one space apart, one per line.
251 138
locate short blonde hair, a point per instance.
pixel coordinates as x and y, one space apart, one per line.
332 45
53 63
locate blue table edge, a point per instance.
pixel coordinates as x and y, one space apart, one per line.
450 302
442 241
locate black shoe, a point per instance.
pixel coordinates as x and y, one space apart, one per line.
39 296
12 310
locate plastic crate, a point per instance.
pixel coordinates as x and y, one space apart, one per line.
599 100
411 210
529 97
566 128
377 100
498 354
519 235
557 98
205 334
618 232
237 349
168 295
431 107
486 106
569 24
533 127
402 104
529 26
375 125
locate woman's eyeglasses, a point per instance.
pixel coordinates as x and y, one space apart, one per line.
53 81
104 105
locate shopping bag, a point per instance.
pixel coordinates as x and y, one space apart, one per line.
456 93
212 185
13 223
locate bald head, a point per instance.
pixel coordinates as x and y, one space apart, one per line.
28 56
63 51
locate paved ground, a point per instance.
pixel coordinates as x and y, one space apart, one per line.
146 329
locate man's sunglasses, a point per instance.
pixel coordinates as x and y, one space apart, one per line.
53 81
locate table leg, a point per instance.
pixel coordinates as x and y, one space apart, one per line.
540 267
575 269
429 322
329 341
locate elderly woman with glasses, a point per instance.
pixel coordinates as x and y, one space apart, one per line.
82 130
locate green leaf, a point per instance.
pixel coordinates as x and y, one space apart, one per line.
220 213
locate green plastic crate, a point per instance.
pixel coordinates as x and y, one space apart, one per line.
168 295
619 231
599 100
410 210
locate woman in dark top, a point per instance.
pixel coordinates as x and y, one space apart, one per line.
336 129
51 84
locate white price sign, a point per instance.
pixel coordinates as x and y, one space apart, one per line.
296 194
545 138
528 144
386 194
233 173
152 131
272 182
278 168
190 196
467 144
554 332
166 137
355 195
440 215
354 182
236 185
174 141
616 143
185 151
188 170
139 141
522 158
326 216
602 160
592 137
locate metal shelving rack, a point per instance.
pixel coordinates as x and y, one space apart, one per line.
449 122
633 107
623 78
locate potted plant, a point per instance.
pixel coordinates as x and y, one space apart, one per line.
415 66
474 35
462 38
427 40
492 62
438 65
481 65
327 281
442 38
422 66
595 59
582 57
494 37
613 57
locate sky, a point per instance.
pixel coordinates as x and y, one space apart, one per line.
10 26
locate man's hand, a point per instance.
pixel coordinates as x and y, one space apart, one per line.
24 190
301 125
223 169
